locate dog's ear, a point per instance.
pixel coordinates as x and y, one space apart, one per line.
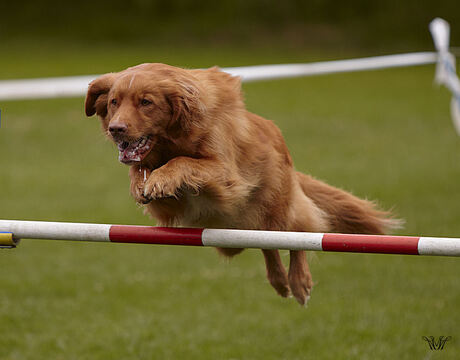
96 98
185 100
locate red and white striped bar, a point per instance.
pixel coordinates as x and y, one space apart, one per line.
282 240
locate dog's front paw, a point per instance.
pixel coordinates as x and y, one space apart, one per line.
159 186
138 177
137 191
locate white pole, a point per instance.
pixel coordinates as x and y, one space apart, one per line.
230 238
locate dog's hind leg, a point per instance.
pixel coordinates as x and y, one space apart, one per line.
308 217
276 273
300 280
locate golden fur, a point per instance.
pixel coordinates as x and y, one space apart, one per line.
211 163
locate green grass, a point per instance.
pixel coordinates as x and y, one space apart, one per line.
384 135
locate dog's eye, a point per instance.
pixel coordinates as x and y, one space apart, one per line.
114 102
145 102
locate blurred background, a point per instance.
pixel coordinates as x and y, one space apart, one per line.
344 26
384 135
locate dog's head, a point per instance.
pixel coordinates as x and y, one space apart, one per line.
145 106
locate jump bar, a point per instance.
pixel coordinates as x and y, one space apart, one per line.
283 240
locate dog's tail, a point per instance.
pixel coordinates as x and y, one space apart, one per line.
346 213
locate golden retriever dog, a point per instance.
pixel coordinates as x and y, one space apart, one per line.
198 158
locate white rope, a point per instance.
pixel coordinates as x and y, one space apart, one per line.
71 86
445 69
45 88
265 72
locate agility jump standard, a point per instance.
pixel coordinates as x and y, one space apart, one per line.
13 230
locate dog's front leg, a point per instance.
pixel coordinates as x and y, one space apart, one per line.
138 176
181 173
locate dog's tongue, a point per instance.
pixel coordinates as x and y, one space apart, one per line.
135 151
130 153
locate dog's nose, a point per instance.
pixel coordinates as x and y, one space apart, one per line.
118 128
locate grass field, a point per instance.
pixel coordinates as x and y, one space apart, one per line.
384 135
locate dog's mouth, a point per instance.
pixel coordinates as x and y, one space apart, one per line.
134 151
